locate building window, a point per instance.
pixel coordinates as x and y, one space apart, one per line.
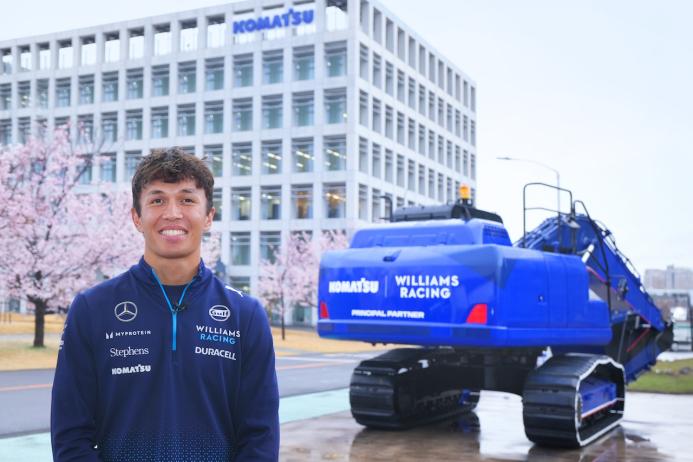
86 175
85 127
65 54
160 122
24 93
363 202
187 81
377 70
269 245
377 169
335 153
62 92
388 166
303 104
86 89
162 39
272 111
160 80
186 120
472 165
23 129
111 47
188 35
135 43
240 204
376 118
363 156
41 94
389 124
465 163
25 58
363 62
363 108
375 205
272 66
214 74
302 202
335 106
217 200
304 63
400 170
133 124
216 31
214 117
336 17
335 200
335 59
108 167
411 176
132 160
243 114
6 96
109 127
271 152
5 132
242 159
302 155
270 202
389 79
88 51
240 248
135 83
44 56
472 99
243 70
109 86
214 156
6 58
472 132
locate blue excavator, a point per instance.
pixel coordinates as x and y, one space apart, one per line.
475 312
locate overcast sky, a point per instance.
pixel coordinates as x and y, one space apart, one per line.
602 91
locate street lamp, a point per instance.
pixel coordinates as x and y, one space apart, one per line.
558 176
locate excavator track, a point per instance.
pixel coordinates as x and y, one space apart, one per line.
553 409
409 386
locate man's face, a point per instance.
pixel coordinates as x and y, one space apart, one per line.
173 218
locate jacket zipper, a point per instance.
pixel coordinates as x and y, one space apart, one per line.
174 313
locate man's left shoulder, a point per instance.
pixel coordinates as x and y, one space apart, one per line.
239 300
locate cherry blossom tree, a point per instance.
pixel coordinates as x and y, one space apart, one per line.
57 236
291 279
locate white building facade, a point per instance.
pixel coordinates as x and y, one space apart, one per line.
307 112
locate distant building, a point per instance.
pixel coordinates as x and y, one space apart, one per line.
308 112
671 278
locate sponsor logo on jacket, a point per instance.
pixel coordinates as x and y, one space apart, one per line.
125 352
219 313
217 334
215 352
131 369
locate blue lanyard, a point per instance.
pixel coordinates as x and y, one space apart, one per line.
170 307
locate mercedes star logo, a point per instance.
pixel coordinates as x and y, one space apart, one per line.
125 311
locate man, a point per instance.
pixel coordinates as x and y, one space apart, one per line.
164 362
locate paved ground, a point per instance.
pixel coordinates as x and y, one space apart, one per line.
655 428
25 395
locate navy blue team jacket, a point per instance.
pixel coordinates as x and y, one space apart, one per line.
136 381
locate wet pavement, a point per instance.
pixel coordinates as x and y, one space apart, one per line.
655 428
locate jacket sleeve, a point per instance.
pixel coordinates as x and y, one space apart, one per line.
73 404
257 436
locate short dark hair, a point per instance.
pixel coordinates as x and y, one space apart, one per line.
171 165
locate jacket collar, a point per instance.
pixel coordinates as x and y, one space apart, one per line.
143 272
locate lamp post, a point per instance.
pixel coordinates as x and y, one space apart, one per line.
558 176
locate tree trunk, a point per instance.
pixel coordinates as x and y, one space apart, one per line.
39 321
283 330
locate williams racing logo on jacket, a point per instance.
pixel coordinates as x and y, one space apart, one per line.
217 334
